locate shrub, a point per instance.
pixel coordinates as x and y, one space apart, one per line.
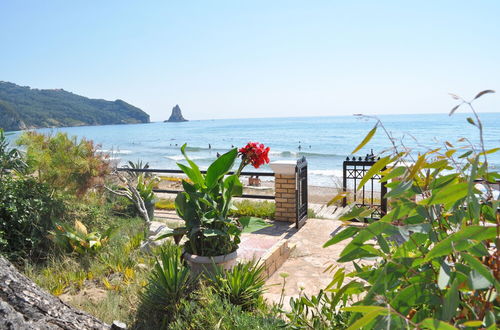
250 208
170 281
436 252
63 162
243 285
26 209
207 310
319 312
78 239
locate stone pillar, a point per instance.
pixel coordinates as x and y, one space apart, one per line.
285 185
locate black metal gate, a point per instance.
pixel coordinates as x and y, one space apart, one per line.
373 192
301 192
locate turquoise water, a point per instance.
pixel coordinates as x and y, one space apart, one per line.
324 141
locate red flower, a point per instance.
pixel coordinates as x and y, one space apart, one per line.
255 153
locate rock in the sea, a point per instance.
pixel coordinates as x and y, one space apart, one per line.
176 115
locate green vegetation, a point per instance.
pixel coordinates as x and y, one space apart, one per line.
434 258
26 212
436 253
242 286
10 158
170 281
207 310
63 163
106 284
24 107
205 203
78 239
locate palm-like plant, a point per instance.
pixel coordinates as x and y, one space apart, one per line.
170 281
243 285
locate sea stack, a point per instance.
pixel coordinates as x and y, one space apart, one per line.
176 115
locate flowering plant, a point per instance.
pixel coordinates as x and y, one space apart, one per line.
254 153
206 201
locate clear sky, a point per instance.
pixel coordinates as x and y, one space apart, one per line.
241 59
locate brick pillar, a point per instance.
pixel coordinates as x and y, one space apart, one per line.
285 185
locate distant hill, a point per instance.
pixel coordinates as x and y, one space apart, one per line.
24 107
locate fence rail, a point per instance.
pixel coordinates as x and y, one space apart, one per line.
171 171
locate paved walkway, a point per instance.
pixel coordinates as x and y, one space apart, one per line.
306 265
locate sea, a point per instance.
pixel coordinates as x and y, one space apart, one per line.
325 142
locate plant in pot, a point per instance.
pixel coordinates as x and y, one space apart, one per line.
212 236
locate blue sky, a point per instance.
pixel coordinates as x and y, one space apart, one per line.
241 59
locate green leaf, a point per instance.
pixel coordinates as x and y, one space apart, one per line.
473 324
478 281
337 197
344 234
479 267
374 169
367 318
400 189
451 300
196 176
251 224
432 324
365 309
417 166
367 139
465 154
188 171
415 294
449 194
356 213
220 167
394 173
213 232
444 275
461 240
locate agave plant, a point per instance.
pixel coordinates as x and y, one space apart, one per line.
243 285
170 281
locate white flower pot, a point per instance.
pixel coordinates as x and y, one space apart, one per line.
200 264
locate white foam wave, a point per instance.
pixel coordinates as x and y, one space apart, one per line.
282 153
115 151
337 173
181 157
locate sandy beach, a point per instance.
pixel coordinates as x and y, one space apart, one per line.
316 194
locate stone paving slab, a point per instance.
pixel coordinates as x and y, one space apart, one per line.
307 263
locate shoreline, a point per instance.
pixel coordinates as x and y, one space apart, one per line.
316 194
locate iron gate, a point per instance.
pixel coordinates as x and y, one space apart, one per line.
301 192
373 192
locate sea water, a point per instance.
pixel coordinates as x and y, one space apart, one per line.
324 141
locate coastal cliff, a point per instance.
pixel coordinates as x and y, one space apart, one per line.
22 107
176 115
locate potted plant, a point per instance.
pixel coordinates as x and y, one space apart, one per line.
212 236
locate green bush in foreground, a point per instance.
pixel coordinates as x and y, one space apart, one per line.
437 261
206 310
26 210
